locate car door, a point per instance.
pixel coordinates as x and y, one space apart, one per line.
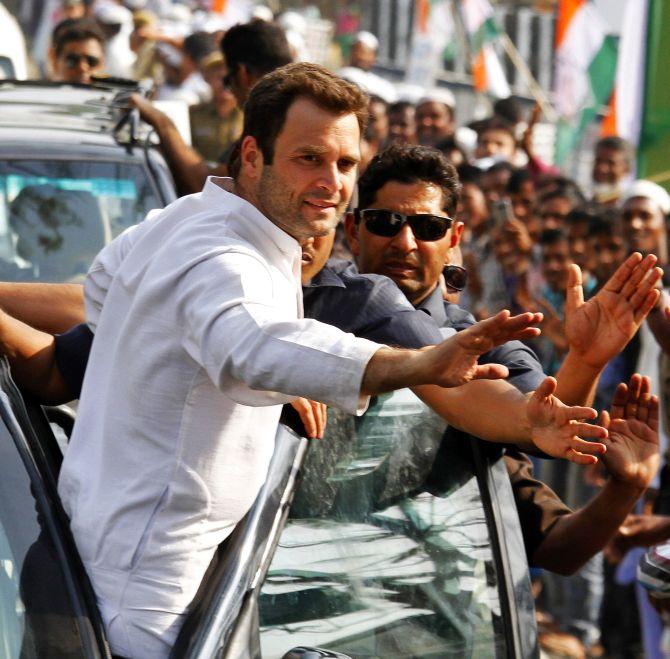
47 607
399 542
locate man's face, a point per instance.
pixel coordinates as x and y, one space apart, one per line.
577 235
609 165
377 129
402 126
434 122
362 56
523 204
643 225
495 142
315 252
494 184
414 265
308 185
553 212
79 60
472 209
609 252
555 265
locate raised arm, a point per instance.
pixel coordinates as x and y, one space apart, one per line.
632 459
188 167
597 330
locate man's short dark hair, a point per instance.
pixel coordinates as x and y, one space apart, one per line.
77 30
270 98
553 237
564 189
616 143
517 179
403 163
198 45
605 224
508 109
493 123
400 106
470 174
260 46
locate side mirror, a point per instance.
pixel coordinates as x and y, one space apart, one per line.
313 653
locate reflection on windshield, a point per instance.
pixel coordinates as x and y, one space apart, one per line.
56 216
384 555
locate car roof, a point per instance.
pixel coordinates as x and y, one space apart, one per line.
48 112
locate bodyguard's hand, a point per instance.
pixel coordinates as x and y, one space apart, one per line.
454 361
557 429
600 328
632 446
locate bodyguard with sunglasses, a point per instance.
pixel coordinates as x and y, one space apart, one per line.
78 52
404 229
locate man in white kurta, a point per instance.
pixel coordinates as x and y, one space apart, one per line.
195 314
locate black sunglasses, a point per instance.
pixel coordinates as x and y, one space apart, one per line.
455 277
382 222
73 59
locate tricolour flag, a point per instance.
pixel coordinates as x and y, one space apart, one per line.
586 58
487 71
640 104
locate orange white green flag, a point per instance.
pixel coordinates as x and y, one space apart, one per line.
586 57
487 71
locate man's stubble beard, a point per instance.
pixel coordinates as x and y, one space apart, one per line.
275 202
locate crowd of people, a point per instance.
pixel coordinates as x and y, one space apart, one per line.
188 330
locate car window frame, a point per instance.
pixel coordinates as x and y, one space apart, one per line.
227 631
38 456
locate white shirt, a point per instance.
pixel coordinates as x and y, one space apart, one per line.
196 318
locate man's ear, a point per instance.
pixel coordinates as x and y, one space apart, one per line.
351 232
244 77
456 234
251 158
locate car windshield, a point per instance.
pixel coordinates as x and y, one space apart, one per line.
56 216
386 552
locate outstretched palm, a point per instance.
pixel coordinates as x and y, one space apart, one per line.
632 446
600 328
557 429
454 361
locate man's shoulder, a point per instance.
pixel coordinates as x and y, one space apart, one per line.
457 317
378 288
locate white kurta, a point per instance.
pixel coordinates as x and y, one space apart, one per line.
197 319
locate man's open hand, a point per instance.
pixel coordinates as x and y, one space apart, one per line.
600 328
632 446
557 429
454 361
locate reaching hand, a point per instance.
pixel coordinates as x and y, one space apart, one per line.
600 328
313 416
632 447
637 531
454 361
557 429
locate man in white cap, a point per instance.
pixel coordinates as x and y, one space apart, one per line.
362 59
435 117
117 24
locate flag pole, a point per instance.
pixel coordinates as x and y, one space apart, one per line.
533 85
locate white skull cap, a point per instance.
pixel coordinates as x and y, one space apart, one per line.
439 95
367 39
649 190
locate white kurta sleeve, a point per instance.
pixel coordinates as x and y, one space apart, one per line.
234 327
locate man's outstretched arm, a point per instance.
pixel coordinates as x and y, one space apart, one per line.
632 459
